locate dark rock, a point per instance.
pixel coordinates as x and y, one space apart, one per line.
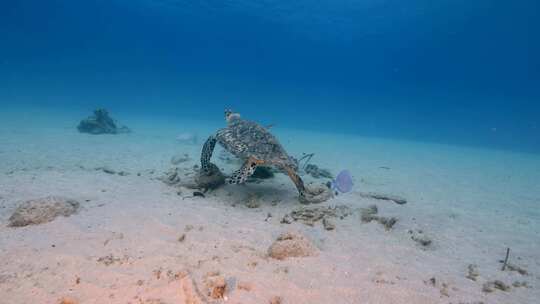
101 123
385 197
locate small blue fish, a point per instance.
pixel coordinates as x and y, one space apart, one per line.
343 182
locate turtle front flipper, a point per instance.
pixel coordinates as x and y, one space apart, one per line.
206 154
248 168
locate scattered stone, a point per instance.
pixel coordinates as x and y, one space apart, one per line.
491 286
291 244
328 225
311 215
172 177
282 269
101 123
370 214
42 210
110 259
380 278
114 236
518 284
111 171
216 285
422 240
275 300
516 268
68 300
444 290
157 273
244 286
394 198
317 172
106 170
387 222
182 238
253 201
473 272
286 219
177 159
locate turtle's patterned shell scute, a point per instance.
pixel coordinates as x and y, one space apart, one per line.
245 138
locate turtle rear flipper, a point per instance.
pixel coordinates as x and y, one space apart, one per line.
206 154
308 195
296 180
248 168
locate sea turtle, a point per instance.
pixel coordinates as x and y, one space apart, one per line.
255 145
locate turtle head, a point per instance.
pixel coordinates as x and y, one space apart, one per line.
231 116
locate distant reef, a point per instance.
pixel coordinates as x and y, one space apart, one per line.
101 123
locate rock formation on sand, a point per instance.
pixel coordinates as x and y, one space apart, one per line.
211 180
101 123
42 210
291 244
316 194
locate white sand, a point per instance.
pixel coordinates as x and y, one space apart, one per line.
473 203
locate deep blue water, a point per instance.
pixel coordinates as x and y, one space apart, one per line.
450 71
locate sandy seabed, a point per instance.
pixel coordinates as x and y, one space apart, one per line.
137 240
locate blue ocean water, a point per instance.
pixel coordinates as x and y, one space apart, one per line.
450 71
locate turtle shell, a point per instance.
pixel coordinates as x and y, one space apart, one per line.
246 139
